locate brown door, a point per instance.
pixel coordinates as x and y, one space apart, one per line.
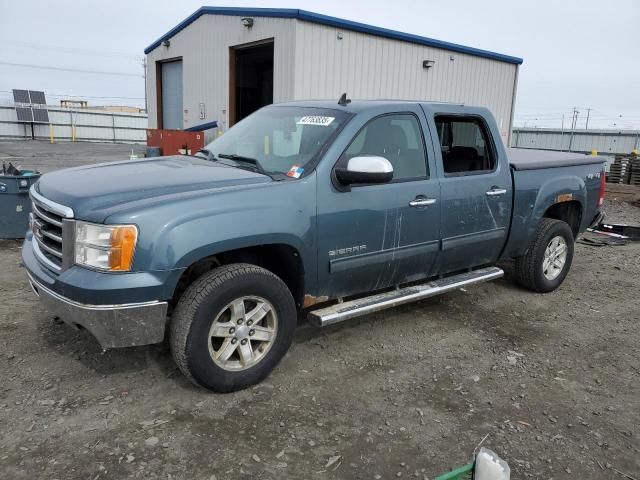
250 78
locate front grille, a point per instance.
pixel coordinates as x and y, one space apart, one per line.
49 226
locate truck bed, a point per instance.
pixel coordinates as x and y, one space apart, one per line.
530 159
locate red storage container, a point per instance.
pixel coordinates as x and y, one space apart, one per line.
175 142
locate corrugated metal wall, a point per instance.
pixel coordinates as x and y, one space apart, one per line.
370 67
204 48
606 142
310 62
89 125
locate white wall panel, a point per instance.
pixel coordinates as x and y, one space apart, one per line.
370 67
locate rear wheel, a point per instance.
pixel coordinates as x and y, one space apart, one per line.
548 260
232 326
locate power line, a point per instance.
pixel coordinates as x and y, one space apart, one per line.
64 95
64 69
83 51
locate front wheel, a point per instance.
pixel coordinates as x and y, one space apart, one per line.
232 326
548 260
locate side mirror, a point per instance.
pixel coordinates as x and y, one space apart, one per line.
369 169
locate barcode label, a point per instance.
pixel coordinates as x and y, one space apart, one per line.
316 120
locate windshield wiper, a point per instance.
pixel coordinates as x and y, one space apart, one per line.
254 165
242 159
208 153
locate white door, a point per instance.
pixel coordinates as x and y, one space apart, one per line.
172 95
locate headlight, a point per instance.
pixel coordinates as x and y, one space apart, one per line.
105 247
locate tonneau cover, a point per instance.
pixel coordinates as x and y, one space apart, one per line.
530 159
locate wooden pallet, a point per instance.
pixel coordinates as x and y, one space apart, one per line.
621 170
634 177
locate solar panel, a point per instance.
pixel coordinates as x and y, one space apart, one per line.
24 114
37 97
40 115
21 96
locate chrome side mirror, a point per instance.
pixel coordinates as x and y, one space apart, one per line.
365 169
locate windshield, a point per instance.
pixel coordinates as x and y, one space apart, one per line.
278 139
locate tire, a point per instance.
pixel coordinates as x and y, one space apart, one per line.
530 268
207 320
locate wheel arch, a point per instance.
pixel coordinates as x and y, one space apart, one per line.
570 212
282 259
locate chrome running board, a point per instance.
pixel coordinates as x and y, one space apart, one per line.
374 303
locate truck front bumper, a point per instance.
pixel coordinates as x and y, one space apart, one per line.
113 326
118 310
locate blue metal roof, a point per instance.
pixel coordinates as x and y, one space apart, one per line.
202 127
333 22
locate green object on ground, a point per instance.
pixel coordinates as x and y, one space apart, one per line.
462 473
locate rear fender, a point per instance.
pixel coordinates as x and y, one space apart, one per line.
530 207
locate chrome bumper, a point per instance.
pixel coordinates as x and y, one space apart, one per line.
114 326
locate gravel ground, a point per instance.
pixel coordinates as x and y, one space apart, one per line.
551 379
46 157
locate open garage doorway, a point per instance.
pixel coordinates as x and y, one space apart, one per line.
250 78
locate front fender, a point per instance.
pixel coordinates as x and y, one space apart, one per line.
175 235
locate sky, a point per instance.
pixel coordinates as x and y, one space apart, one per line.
577 53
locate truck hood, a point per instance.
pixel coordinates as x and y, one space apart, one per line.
96 191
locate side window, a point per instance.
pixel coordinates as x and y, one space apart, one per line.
397 138
465 146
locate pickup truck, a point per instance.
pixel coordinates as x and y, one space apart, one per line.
318 209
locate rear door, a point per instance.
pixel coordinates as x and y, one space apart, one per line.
374 236
476 193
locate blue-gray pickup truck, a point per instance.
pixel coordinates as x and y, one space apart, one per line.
320 209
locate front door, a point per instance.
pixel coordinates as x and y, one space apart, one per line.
476 194
373 236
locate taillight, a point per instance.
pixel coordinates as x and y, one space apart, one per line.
603 186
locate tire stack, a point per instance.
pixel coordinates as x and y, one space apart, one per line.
620 170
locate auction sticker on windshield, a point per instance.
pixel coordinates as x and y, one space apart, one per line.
295 171
316 120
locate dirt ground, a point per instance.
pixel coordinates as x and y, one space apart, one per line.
551 381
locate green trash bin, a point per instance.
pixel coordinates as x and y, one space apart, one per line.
15 205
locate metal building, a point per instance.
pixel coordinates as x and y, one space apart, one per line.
605 142
220 64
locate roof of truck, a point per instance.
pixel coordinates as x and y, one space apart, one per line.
355 106
332 22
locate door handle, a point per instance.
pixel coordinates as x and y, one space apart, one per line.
495 191
422 202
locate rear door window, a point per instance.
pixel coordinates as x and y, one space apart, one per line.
465 145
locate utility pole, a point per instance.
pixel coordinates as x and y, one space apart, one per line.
562 133
574 118
574 122
144 67
586 127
